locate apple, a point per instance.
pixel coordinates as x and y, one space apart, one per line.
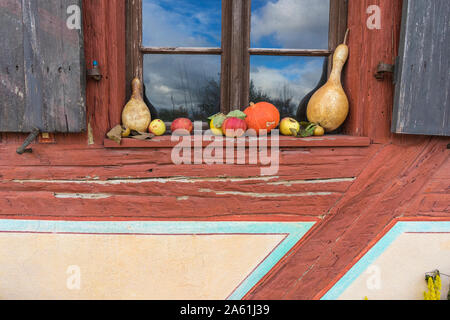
287 125
217 131
182 126
157 127
234 127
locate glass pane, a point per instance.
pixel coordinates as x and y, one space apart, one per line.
183 85
186 23
285 81
290 24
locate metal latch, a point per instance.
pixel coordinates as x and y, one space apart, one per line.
95 73
384 68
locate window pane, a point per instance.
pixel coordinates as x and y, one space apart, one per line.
187 23
183 85
290 24
284 81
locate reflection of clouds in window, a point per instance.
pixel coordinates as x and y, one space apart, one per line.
285 80
183 83
187 23
296 24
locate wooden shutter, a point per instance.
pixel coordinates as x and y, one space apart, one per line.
422 98
42 70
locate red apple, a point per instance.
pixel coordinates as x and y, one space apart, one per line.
182 126
234 127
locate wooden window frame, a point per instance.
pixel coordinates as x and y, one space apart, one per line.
235 49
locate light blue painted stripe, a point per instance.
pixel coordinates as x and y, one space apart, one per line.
375 252
153 227
294 230
270 262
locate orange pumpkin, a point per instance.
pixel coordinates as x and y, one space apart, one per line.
262 116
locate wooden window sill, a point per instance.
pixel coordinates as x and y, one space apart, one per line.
285 142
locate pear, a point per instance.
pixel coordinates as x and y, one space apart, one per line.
136 115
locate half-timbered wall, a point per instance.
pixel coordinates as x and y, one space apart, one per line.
352 192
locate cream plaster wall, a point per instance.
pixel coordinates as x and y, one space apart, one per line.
398 273
37 266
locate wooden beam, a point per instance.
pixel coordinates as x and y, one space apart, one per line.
134 41
226 56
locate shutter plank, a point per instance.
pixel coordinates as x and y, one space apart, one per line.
421 103
12 83
53 73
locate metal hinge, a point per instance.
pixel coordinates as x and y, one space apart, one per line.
384 68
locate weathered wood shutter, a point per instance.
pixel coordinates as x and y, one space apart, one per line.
422 99
42 70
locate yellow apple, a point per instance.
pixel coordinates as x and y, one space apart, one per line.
319 131
287 124
157 127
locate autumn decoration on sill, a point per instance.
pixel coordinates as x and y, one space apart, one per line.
136 114
232 125
262 117
157 127
329 106
327 111
182 127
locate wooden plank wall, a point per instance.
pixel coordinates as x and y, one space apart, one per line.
353 192
425 57
42 68
371 100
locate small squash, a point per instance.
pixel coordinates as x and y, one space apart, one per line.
329 106
136 115
262 116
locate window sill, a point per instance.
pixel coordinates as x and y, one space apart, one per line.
285 142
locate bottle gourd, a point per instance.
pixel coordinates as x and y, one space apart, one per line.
136 115
329 106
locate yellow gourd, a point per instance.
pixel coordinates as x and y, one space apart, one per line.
136 115
329 106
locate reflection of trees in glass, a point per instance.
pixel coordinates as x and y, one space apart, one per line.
202 99
193 95
208 97
283 103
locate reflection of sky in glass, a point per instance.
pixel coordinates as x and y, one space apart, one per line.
183 85
284 81
182 23
290 24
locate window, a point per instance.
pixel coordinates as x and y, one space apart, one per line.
200 57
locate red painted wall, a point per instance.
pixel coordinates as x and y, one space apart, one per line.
356 192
